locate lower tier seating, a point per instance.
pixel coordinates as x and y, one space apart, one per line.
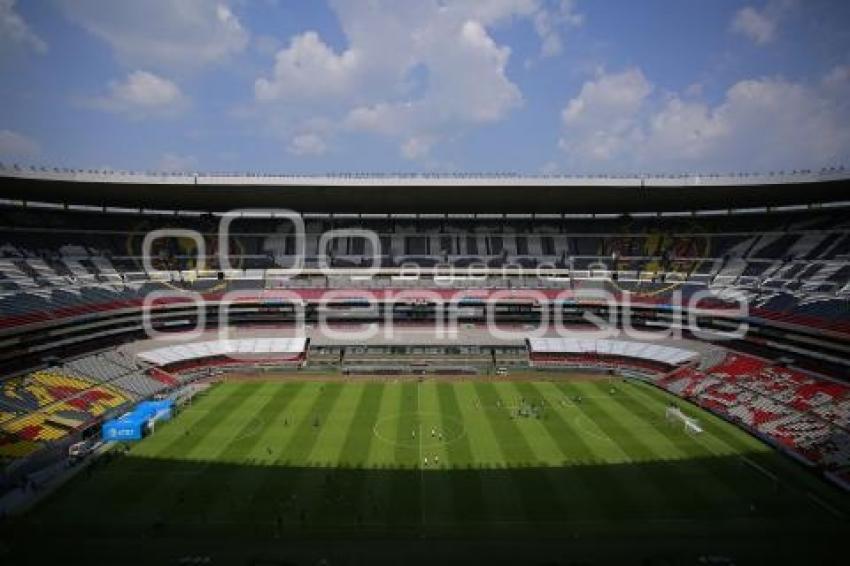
47 405
805 413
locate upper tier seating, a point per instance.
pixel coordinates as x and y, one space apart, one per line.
793 267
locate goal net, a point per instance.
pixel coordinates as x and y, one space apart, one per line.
675 415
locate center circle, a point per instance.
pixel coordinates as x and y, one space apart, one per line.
421 429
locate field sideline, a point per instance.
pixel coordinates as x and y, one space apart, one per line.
309 459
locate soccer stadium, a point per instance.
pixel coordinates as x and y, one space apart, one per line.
582 376
432 367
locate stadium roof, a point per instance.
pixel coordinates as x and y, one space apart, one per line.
425 194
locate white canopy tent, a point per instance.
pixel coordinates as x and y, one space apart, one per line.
244 346
622 348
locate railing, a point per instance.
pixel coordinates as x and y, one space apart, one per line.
416 179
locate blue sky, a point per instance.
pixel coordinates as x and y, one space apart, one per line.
531 86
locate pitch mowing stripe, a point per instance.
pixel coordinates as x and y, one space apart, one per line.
320 480
692 470
358 441
251 448
437 487
502 501
539 493
466 488
167 496
545 450
283 424
228 429
276 493
317 449
360 481
382 450
619 424
571 442
408 435
197 487
381 458
511 451
405 489
309 428
561 446
172 438
336 425
578 495
600 444
597 473
635 495
247 500
513 444
256 443
709 473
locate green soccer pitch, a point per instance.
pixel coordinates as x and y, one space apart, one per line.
563 470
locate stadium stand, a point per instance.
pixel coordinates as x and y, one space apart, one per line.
73 286
47 405
802 412
788 271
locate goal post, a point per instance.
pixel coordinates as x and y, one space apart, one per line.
674 415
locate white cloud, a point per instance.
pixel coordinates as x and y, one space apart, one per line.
142 94
306 69
600 122
162 33
15 32
307 145
176 163
755 25
612 96
549 25
767 123
616 124
760 26
433 70
14 144
683 131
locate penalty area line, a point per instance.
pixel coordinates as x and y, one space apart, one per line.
833 510
759 468
836 512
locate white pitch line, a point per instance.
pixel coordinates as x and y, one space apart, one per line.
419 456
838 513
759 468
